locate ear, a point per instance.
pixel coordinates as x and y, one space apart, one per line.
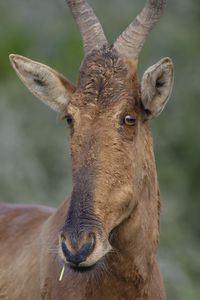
45 83
156 87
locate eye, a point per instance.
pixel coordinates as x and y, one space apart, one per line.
68 118
128 120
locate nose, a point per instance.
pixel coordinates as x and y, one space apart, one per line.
79 256
77 252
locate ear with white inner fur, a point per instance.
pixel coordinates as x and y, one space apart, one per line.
45 83
156 87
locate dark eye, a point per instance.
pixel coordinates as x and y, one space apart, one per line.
128 120
69 120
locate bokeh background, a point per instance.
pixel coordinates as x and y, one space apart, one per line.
34 156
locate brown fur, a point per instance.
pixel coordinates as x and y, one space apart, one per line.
115 195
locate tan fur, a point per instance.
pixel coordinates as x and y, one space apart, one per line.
125 201
107 231
156 85
44 82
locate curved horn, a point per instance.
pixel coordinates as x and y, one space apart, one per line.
130 42
90 28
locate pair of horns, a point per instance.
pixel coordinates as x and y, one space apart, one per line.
130 42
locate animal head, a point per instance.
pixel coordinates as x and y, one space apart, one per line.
107 113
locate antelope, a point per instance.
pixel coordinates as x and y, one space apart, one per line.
107 231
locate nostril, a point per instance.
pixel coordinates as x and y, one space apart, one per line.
65 250
62 235
86 250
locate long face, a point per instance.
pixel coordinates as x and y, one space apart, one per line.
107 113
105 120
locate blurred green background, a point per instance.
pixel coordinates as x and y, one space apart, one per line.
34 157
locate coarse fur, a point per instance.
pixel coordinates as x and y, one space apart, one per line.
107 231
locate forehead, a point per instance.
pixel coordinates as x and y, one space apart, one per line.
106 80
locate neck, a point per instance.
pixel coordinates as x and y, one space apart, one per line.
136 241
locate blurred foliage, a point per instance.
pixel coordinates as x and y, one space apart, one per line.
34 160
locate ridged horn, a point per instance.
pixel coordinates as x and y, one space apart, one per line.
130 42
91 31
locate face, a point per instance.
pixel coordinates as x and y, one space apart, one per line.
109 138
104 120
111 144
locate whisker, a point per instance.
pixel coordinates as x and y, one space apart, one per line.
53 250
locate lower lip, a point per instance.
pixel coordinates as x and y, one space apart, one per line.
82 269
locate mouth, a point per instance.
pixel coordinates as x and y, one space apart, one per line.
82 269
